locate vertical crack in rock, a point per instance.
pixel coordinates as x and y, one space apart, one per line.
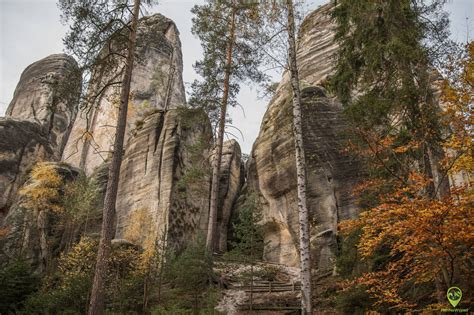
272 170
151 87
36 96
147 151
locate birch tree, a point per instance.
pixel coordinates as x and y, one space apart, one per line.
305 260
226 30
278 40
93 26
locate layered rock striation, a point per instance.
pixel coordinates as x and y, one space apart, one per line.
157 175
331 173
22 144
38 121
157 84
165 170
230 184
48 94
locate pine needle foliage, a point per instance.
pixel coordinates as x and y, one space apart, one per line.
211 25
248 232
18 282
67 289
414 231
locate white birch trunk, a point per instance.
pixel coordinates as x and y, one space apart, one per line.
305 259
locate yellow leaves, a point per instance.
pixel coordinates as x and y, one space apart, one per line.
42 192
80 259
4 232
143 231
459 117
401 149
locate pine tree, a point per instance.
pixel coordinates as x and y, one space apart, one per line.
95 25
226 29
386 58
385 76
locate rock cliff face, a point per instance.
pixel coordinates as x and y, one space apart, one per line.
47 94
231 181
31 230
37 122
331 173
166 158
166 164
22 144
157 84
155 175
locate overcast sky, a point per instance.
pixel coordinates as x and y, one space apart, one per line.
31 30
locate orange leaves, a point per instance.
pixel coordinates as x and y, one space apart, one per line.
459 117
425 237
422 238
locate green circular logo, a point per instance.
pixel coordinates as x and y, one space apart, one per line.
454 295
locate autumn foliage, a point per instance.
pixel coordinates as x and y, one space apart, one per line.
428 239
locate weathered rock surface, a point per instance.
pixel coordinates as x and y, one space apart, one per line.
331 173
22 144
48 93
157 84
158 174
30 231
37 122
230 183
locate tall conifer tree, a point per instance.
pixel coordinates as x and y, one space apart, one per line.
226 29
95 25
385 76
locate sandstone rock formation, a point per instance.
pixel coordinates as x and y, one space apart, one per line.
31 230
331 173
48 93
156 84
157 175
37 122
230 183
22 144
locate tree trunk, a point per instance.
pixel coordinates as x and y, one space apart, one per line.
96 305
305 260
216 162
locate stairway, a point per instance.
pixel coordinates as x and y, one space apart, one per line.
261 296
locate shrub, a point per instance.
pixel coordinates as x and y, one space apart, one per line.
189 282
17 283
67 290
